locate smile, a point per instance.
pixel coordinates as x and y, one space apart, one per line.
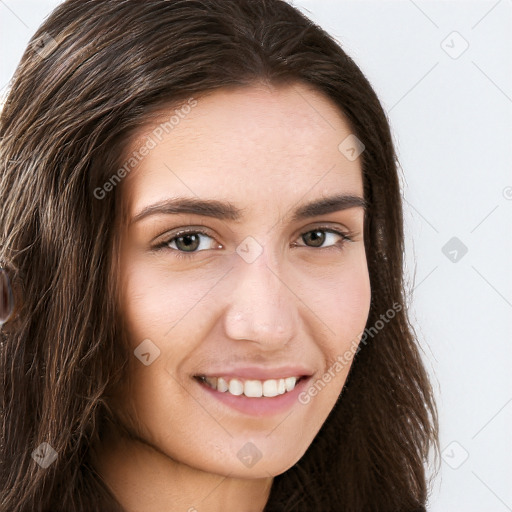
251 388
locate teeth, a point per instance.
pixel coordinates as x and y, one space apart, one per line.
211 381
251 388
222 385
290 383
270 388
236 387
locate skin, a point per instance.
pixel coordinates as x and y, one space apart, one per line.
266 150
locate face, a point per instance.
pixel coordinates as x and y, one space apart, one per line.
245 301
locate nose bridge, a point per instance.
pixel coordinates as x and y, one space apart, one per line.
262 308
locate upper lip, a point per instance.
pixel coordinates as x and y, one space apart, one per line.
259 373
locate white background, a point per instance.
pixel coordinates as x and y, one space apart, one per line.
450 112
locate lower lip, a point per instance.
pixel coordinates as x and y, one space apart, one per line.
258 406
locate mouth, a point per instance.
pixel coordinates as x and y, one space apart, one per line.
252 388
252 397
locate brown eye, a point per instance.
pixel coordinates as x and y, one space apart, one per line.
188 243
314 238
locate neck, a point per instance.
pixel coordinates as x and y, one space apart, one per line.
143 478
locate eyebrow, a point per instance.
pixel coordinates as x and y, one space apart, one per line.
226 211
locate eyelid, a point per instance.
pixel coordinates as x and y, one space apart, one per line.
344 233
328 226
193 228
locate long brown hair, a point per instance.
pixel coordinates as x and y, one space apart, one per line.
87 81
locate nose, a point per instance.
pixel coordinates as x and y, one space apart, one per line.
262 307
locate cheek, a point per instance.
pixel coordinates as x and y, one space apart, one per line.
351 306
157 303
349 318
339 297
340 303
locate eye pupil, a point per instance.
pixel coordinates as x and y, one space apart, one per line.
191 242
316 237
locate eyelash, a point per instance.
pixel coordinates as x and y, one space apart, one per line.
346 237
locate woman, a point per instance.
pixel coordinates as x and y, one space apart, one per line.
202 228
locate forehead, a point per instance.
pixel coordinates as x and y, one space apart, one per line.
249 144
